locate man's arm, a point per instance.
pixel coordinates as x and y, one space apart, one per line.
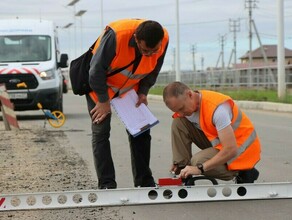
229 149
97 75
227 139
99 64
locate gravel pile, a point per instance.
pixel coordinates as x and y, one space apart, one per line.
37 160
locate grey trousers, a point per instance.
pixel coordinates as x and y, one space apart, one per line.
183 135
140 147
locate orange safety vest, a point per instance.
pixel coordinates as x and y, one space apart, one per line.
125 80
249 148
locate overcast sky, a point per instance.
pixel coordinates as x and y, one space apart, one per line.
202 24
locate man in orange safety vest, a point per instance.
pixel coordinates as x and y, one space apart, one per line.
230 147
128 55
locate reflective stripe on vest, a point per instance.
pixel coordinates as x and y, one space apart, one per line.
234 125
244 146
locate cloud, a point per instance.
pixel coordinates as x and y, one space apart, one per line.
202 22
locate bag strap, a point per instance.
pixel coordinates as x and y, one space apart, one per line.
92 47
122 68
137 59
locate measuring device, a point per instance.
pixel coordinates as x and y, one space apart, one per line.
147 195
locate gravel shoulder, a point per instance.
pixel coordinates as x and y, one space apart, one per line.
34 159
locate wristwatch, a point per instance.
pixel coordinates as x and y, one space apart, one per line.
200 167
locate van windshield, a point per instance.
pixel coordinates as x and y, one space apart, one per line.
25 48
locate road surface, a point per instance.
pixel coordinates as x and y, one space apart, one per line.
273 128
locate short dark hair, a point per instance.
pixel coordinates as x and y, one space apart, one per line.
151 32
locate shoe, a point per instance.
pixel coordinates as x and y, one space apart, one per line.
247 176
107 187
148 184
151 185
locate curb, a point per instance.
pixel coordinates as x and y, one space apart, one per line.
265 106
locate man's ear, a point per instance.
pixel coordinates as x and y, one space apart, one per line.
135 38
190 93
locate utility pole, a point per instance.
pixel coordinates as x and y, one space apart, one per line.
263 52
221 55
80 14
193 51
202 63
234 26
202 70
101 16
177 69
174 60
73 3
222 43
250 4
281 50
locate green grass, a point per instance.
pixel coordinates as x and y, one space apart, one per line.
243 94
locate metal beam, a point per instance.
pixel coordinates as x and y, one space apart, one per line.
151 195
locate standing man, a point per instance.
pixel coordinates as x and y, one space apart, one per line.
129 54
228 141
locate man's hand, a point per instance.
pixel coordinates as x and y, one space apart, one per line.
100 111
175 169
141 99
188 171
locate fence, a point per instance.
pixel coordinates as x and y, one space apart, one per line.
259 78
263 77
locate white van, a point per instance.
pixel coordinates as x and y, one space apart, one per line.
29 52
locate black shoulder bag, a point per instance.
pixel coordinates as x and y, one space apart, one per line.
79 73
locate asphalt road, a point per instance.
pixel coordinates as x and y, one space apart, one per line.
273 128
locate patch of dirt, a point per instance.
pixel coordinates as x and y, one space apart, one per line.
37 160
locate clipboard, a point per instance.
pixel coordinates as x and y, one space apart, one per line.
135 119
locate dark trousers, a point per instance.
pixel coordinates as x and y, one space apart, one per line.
140 154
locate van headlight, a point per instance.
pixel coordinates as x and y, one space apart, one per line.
48 74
